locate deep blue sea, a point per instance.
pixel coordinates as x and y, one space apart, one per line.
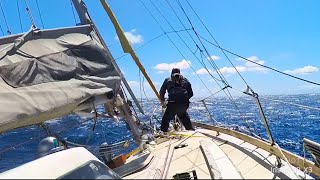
289 124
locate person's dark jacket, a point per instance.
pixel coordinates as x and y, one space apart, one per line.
169 83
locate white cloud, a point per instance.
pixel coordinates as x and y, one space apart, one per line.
231 70
254 59
132 37
163 67
203 71
246 67
304 70
214 58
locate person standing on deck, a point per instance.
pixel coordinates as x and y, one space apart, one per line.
179 92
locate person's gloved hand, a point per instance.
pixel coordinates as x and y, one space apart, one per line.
163 105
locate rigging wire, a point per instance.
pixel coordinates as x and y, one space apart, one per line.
181 22
242 116
221 76
74 16
210 60
205 49
213 39
34 138
217 44
267 67
217 69
30 14
126 98
204 66
143 89
115 147
20 144
140 88
212 95
230 96
284 102
65 130
224 50
181 37
273 69
174 45
40 14
18 8
198 48
164 33
149 101
5 20
219 73
211 117
126 54
135 112
182 30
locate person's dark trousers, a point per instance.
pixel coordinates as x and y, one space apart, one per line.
176 109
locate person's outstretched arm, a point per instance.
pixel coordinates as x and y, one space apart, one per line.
163 89
190 92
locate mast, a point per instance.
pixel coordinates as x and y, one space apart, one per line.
121 105
85 19
127 48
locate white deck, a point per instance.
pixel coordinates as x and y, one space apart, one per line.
169 161
211 156
230 158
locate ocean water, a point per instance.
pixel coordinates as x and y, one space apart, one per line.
289 124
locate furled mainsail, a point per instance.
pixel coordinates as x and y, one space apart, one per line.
49 73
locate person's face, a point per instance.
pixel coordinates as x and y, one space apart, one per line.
177 77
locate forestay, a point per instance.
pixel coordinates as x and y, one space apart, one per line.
46 74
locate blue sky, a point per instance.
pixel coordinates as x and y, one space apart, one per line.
281 34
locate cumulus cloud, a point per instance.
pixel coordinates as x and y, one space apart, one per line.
203 71
167 67
133 37
231 70
246 67
304 70
254 59
214 58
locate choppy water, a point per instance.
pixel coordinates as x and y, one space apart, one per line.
288 124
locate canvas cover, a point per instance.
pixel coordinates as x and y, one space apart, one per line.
47 74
